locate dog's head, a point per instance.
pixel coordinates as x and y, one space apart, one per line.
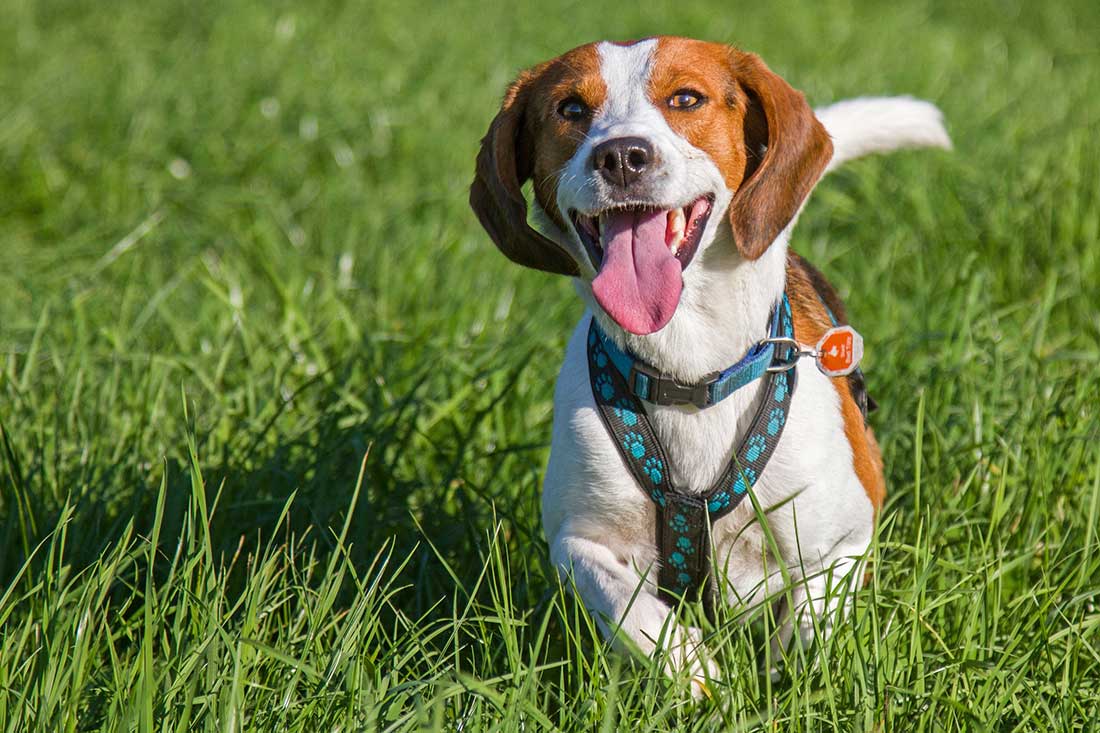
636 152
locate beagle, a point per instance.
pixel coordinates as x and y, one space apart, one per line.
667 174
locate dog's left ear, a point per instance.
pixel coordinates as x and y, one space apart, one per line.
503 165
787 149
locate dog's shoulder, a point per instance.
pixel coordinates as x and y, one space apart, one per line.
807 284
817 307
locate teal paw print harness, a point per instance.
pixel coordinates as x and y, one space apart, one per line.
620 383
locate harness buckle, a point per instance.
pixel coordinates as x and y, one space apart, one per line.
787 353
664 390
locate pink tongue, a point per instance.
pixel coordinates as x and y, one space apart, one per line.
640 280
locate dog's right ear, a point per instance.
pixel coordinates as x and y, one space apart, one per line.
505 162
795 148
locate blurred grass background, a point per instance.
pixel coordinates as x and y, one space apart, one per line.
235 255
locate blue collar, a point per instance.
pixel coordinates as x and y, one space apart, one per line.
659 388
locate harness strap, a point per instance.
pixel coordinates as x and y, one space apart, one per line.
684 519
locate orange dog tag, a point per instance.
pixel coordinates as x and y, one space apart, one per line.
839 351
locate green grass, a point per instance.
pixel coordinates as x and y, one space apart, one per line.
274 411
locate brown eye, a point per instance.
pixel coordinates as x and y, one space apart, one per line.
573 109
685 99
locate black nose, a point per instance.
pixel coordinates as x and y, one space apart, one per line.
622 161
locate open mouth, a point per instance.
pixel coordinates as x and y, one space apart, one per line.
683 228
640 253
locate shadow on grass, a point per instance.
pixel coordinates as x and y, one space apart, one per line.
434 483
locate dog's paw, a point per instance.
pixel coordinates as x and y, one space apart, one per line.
703 682
700 689
688 658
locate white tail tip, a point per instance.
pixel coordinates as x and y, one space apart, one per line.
880 124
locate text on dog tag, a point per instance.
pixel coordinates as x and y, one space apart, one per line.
839 351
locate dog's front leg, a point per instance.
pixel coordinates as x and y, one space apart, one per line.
818 601
626 609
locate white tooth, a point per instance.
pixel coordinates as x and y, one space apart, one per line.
676 220
676 223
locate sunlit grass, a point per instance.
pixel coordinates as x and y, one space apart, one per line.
274 412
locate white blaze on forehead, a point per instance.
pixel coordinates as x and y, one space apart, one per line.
625 71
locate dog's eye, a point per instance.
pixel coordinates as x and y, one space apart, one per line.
573 109
685 99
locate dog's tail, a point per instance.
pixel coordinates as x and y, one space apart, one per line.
881 124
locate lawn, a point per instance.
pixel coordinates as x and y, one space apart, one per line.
274 411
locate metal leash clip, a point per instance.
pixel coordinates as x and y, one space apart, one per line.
838 352
787 353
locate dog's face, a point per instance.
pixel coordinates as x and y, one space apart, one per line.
636 153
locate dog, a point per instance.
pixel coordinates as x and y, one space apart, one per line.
667 175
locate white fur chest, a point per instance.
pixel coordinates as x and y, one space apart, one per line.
589 491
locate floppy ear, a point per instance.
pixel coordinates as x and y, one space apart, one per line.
504 163
787 150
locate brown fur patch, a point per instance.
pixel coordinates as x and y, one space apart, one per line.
715 126
527 140
811 321
796 148
761 133
554 139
